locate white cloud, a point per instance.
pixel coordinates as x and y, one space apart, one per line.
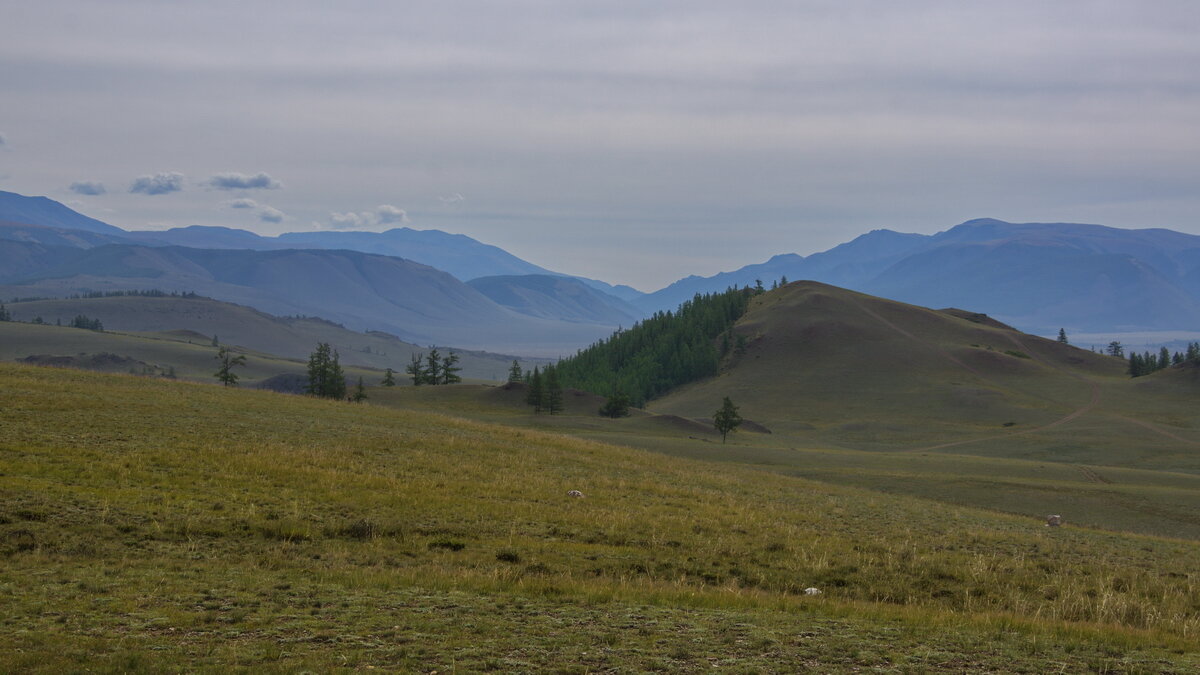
452 199
384 214
158 184
270 215
240 181
88 187
242 204
346 221
387 214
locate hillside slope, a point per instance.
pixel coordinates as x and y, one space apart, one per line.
198 320
173 526
875 371
362 291
555 297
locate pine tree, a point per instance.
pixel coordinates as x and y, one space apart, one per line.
514 372
783 280
553 396
337 383
228 361
1164 358
1062 336
215 341
325 376
450 369
4 313
415 370
1115 349
360 392
433 367
727 418
389 378
1136 367
537 391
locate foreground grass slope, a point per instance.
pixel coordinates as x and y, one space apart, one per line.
158 525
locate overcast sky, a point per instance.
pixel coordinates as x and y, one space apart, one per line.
634 142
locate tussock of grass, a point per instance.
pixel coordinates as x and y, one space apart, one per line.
249 529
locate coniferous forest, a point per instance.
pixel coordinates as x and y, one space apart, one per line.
661 352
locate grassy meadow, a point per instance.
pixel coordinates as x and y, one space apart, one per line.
151 525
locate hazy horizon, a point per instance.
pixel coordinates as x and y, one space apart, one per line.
623 142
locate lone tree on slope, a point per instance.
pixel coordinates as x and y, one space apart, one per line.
227 360
727 418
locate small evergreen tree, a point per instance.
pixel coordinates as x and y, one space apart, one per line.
514 372
360 392
1164 358
553 395
450 369
325 376
783 280
616 406
1136 367
537 391
228 361
1062 336
1115 349
389 378
727 418
6 316
433 367
415 370
215 341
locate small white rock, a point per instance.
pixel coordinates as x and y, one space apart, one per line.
812 591
574 493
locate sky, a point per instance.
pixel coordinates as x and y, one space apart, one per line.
632 142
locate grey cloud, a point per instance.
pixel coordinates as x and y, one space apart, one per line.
452 199
243 204
158 184
240 181
3 141
88 187
270 215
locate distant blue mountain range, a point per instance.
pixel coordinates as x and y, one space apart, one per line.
1038 277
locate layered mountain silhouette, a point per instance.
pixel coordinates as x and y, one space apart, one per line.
360 290
1036 276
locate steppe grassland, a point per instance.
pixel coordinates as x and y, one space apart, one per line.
197 521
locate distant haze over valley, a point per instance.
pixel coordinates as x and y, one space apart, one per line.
429 286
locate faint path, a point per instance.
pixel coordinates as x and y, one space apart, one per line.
1157 430
1091 475
1079 412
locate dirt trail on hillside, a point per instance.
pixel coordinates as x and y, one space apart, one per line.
1157 430
941 352
1073 415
